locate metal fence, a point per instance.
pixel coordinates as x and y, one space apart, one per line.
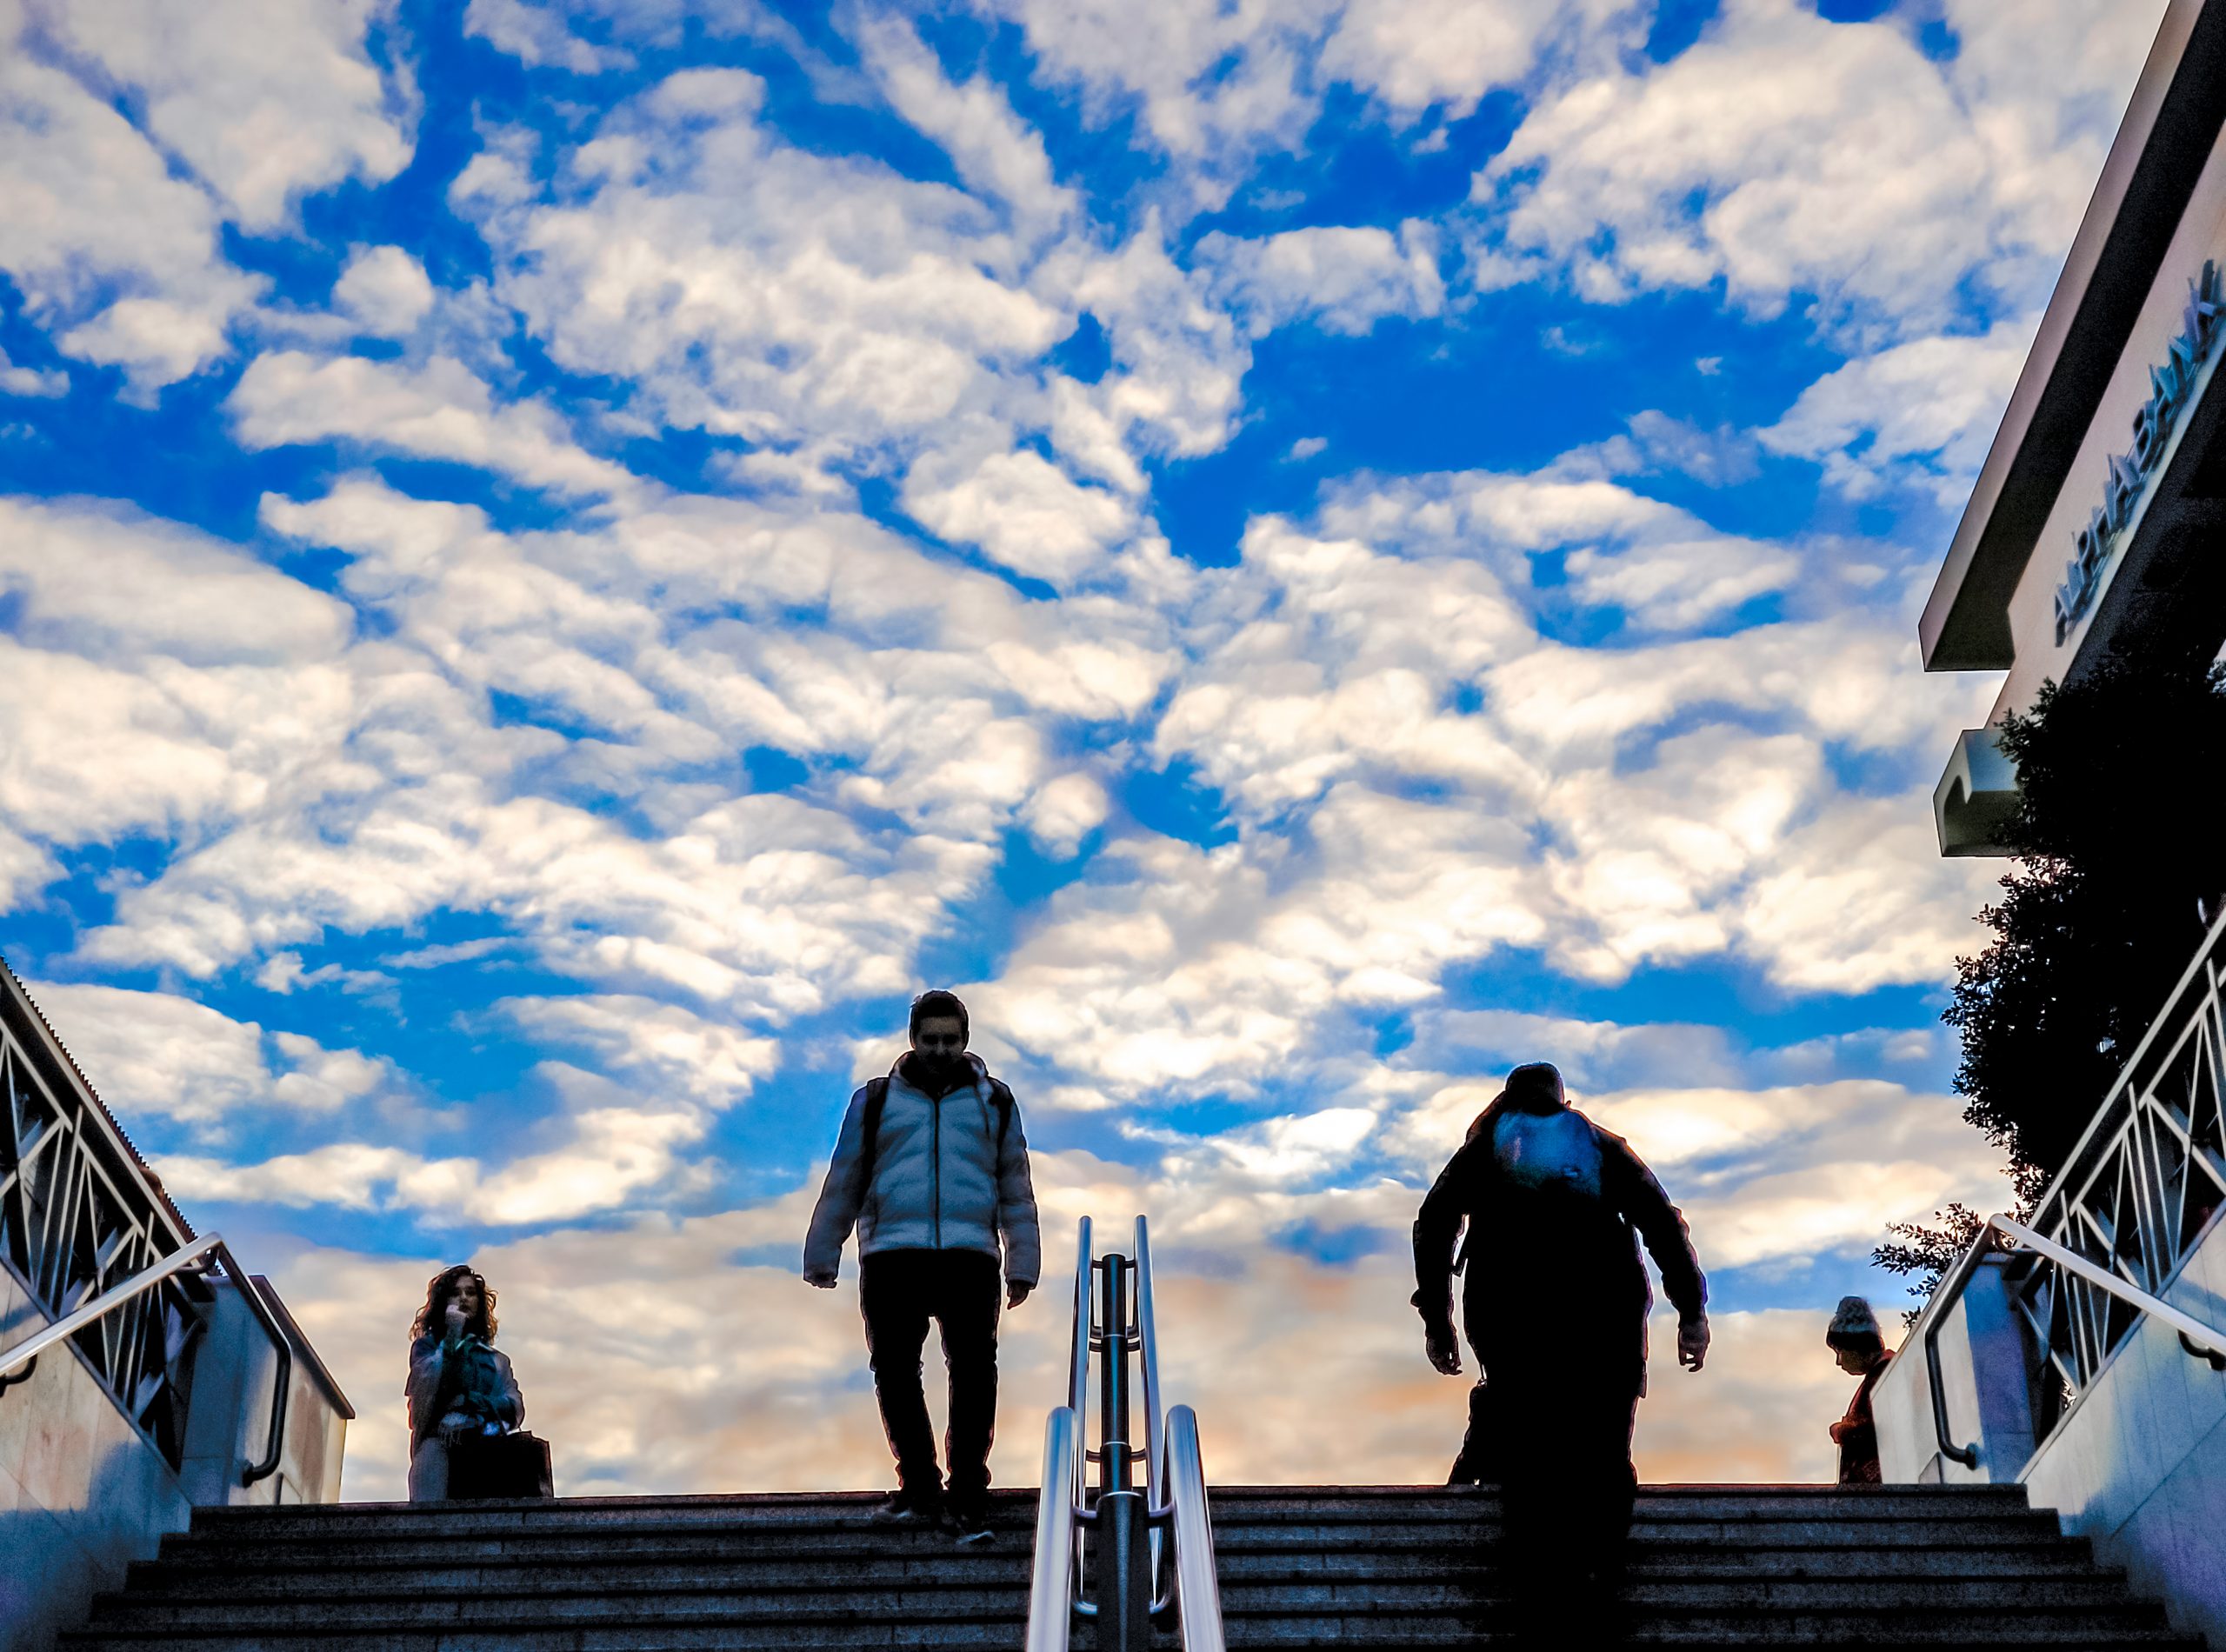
78 1215
2137 1195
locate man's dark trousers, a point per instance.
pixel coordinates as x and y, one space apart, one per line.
899 1291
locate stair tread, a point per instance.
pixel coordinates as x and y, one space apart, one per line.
1355 1566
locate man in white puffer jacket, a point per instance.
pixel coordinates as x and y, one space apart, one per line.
931 1167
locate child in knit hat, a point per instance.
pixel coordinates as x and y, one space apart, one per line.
1855 1340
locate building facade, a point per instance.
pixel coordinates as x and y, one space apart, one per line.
2082 1352
2097 521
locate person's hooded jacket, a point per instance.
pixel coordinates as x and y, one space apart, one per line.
948 1172
1552 1272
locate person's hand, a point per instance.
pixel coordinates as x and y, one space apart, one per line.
824 1281
455 1319
1444 1350
1692 1342
1016 1292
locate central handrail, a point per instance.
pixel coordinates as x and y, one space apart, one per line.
2192 1330
1171 1501
209 1247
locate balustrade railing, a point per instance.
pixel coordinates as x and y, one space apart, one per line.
79 1217
2135 1198
1137 1524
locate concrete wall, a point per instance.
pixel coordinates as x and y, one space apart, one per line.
2137 1464
82 1493
1982 1350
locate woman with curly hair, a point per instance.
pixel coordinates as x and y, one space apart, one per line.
459 1386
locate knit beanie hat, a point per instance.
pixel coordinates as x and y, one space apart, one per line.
1854 1326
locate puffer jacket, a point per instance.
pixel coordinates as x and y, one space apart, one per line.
939 1179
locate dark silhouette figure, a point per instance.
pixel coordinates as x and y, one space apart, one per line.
460 1388
1860 1349
931 1167
1555 1303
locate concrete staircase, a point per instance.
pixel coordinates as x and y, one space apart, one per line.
1746 1566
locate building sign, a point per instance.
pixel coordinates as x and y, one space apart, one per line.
2171 387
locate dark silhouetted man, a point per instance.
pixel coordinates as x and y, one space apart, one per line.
931 1167
1556 1308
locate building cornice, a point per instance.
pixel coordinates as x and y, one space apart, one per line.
2169 129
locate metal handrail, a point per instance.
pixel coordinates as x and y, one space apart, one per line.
1155 1429
1078 1359
1198 1585
2192 1330
1174 1494
1059 1535
1148 1340
209 1247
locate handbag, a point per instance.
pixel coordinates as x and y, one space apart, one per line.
483 1467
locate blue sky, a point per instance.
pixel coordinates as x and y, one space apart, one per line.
559 564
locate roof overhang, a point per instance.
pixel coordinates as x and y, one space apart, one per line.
2169 129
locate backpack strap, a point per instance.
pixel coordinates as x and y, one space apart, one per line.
870 1127
1001 1098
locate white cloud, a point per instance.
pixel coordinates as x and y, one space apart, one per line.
1919 415
385 289
159 1053
1415 53
1343 279
1065 811
538 37
25 381
1785 154
754 289
265 100
204 679
440 411
1021 510
995 152
611 1155
685 1053
95 217
1214 87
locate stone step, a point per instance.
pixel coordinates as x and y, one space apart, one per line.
1766 1505
240 1549
1351 1567
313 1576
2096 1598
962 1589
2004 1531
1806 1499
1235 1505
1837 1633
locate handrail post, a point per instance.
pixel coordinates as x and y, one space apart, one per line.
1123 1581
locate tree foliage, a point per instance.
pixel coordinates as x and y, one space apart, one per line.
2117 868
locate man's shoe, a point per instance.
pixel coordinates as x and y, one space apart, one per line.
969 1516
909 1508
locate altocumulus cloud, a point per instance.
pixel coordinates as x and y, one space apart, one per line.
556 561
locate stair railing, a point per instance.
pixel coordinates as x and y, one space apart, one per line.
192 1261
2138 1195
2201 1341
1130 1522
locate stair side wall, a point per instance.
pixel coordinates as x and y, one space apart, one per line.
84 1493
2139 1463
